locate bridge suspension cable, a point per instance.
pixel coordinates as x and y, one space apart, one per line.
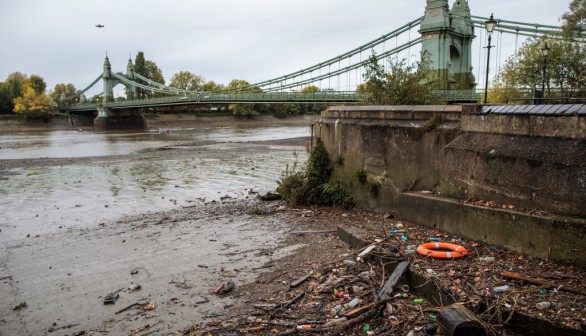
163 87
346 68
356 51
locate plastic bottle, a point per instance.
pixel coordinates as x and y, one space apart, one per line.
352 304
335 310
543 305
348 262
486 259
365 274
335 322
501 289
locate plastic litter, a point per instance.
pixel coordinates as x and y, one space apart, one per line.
501 289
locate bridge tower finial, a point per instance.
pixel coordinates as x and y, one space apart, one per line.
108 81
447 38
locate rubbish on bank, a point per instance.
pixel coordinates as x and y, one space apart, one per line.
543 305
364 253
134 287
225 288
111 298
501 289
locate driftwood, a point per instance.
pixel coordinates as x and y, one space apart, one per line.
288 304
540 281
299 281
393 279
457 320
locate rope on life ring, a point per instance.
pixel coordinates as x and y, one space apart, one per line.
442 250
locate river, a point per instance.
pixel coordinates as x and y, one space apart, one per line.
40 199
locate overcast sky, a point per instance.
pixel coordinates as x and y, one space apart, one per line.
221 40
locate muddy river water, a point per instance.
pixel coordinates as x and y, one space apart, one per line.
37 199
85 214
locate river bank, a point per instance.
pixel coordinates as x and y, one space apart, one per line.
163 121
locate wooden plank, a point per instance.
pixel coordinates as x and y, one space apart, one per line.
541 282
401 268
299 281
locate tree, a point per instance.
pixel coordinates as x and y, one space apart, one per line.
31 101
575 19
212 86
10 90
153 72
310 89
187 81
523 72
400 83
147 69
62 94
37 83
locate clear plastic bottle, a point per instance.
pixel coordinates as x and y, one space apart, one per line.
335 322
501 289
543 305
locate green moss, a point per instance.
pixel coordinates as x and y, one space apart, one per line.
361 175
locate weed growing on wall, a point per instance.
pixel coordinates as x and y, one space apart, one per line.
310 186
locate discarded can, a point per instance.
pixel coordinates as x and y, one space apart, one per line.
419 301
543 305
501 289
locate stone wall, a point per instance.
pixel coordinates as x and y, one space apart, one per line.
534 166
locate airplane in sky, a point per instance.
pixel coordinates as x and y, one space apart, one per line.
100 26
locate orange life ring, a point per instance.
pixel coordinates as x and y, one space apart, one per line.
442 250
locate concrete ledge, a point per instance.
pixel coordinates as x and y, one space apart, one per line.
551 237
398 112
352 236
573 127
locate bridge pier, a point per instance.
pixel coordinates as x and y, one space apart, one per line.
123 119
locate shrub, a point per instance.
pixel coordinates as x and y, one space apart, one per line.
311 187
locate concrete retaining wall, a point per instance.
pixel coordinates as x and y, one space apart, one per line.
524 162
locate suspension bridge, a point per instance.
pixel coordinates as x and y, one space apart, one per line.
445 34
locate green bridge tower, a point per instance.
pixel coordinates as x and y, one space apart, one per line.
447 38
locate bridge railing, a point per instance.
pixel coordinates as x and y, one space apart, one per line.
229 98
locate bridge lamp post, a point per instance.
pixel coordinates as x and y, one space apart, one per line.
544 51
489 25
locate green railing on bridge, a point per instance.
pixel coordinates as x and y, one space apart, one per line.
335 97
